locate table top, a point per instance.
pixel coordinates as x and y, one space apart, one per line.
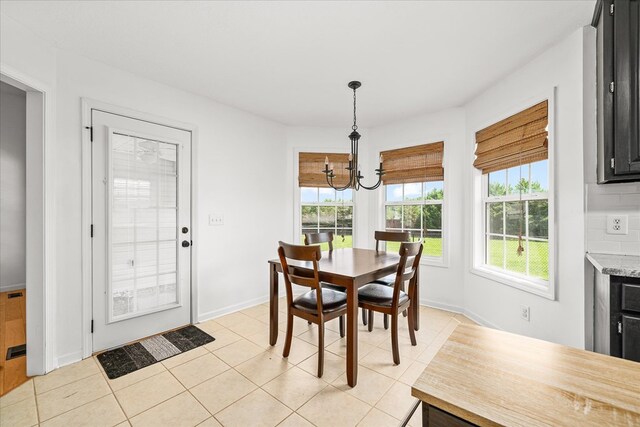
492 377
351 262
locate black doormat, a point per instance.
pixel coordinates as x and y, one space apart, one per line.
129 358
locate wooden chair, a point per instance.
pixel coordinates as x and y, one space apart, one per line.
326 237
387 236
316 306
392 300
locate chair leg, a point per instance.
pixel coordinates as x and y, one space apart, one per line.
341 326
394 339
364 317
386 321
412 322
287 341
370 325
320 349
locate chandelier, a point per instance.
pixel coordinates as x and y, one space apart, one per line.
355 176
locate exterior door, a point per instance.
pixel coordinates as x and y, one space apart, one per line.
141 216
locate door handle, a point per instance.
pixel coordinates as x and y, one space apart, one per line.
186 244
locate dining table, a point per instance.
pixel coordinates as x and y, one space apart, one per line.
350 268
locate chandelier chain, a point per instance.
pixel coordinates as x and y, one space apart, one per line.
355 126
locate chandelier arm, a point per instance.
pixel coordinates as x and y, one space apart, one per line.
373 187
330 182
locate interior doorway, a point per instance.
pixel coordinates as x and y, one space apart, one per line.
28 231
13 172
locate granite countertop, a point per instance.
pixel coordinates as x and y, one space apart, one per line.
616 265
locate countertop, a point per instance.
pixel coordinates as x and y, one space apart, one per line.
616 265
490 377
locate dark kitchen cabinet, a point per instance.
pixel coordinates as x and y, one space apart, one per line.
618 64
624 317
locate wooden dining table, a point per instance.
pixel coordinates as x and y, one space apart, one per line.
351 269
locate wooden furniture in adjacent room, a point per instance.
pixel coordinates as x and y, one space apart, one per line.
13 339
487 377
350 268
392 300
316 306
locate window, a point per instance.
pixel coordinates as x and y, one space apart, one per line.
416 207
513 156
516 208
325 209
414 195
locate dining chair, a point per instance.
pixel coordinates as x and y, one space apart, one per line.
319 238
392 300
319 305
387 236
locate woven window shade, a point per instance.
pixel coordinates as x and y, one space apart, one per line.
519 139
413 164
311 167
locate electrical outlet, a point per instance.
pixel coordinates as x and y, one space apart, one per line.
617 224
525 312
216 219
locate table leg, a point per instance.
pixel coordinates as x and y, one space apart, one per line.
352 336
416 300
273 304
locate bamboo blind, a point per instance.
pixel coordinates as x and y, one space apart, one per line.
419 163
519 139
311 167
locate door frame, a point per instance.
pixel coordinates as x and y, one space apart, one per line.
40 211
87 282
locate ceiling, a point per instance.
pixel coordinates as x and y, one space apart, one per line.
291 61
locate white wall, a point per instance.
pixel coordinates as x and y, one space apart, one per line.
239 170
13 126
440 286
562 320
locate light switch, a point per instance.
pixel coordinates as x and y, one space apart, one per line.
216 219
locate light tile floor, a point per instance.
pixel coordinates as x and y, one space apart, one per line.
240 380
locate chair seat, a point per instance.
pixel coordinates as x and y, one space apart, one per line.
388 280
379 294
331 301
337 288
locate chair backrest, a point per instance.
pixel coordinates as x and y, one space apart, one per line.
293 275
316 238
391 236
410 254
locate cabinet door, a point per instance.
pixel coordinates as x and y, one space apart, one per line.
626 105
631 337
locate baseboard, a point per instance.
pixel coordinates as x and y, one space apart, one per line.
241 306
441 306
480 320
68 359
231 308
9 288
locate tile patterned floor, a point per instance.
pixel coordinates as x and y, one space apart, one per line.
240 380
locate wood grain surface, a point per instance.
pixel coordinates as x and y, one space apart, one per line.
491 377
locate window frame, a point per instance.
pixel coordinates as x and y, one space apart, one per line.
480 188
441 261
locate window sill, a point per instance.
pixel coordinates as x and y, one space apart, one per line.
433 262
536 287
